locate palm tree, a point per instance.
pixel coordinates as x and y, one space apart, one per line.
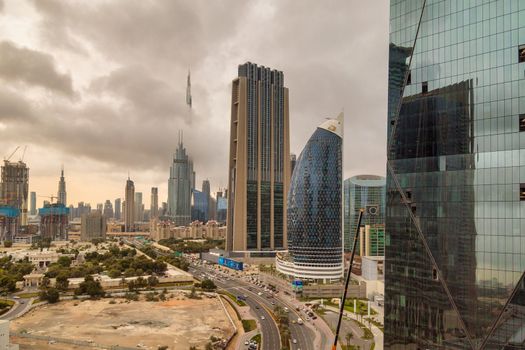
348 338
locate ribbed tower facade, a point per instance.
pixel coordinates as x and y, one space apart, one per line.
154 203
315 214
129 208
180 185
259 165
62 195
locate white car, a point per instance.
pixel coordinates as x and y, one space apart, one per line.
246 342
259 293
263 318
294 341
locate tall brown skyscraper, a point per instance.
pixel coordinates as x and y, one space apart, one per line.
154 203
259 166
129 210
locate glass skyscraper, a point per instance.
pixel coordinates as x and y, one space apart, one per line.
364 192
455 217
259 166
180 185
315 243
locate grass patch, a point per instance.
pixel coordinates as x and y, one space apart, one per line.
375 323
361 307
249 325
234 298
28 295
5 305
367 332
256 338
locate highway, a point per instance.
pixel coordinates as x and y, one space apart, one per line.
303 336
20 306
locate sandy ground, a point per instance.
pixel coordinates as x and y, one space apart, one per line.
178 324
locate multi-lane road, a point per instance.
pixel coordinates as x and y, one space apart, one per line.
302 337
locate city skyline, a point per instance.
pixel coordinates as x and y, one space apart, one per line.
138 133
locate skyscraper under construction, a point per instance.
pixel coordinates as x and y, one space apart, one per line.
14 188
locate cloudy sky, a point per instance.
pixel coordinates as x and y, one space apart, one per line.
99 86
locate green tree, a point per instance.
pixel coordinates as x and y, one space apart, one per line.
348 338
62 282
208 284
64 261
208 346
90 287
51 295
8 244
114 273
152 281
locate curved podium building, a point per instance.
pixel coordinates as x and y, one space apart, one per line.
315 245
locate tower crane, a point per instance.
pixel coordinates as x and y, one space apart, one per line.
7 158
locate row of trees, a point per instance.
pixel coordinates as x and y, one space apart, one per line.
180 245
11 272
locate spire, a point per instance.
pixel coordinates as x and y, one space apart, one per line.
62 171
188 90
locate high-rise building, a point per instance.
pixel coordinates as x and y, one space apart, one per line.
54 220
100 208
139 207
315 210
108 209
293 161
15 187
118 205
363 192
129 208
154 204
206 191
61 194
259 165
32 203
222 207
455 243
93 225
199 206
180 185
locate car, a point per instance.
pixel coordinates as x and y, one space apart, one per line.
259 293
257 306
294 341
263 318
246 342
294 322
273 303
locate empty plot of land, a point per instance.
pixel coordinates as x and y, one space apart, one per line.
177 323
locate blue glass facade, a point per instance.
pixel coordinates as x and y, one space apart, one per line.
199 208
455 218
363 192
314 202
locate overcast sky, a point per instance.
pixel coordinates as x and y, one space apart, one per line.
99 86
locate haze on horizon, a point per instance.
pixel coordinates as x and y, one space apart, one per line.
100 86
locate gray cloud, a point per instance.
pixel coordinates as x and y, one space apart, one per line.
32 67
333 54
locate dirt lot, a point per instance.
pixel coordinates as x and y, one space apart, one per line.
178 323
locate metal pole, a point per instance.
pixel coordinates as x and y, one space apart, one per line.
342 304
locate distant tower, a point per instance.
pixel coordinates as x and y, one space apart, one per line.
117 209
108 209
154 204
129 212
32 204
180 185
139 208
188 90
62 196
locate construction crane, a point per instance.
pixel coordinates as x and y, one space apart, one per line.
50 197
342 303
23 153
7 158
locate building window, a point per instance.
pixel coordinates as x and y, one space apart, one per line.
521 53
409 78
435 274
522 122
522 192
425 87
